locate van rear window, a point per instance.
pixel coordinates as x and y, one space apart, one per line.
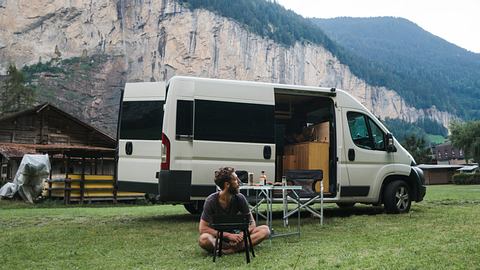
141 120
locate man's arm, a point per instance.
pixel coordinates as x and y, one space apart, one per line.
204 228
252 222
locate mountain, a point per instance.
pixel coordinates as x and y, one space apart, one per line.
423 68
79 54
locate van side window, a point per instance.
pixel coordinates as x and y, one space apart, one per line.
234 122
378 135
365 133
184 128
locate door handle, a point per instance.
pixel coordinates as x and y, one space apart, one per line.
129 148
267 152
351 154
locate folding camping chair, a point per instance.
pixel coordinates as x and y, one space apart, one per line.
223 223
308 179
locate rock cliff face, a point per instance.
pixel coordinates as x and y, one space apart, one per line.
158 39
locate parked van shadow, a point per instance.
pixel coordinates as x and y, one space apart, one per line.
338 212
277 215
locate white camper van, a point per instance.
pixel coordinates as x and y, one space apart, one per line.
255 127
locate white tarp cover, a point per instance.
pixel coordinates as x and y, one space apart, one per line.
28 181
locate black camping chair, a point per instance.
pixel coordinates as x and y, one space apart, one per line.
224 223
307 179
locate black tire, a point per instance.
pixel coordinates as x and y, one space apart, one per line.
194 207
397 198
345 205
152 198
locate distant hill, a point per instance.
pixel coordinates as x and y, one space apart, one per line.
423 68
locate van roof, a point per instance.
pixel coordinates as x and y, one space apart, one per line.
144 91
274 85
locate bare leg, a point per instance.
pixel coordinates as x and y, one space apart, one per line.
257 234
206 241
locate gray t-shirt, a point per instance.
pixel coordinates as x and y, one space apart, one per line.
238 205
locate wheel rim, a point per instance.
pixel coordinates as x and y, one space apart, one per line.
401 198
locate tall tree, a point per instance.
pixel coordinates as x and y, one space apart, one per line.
15 96
466 136
418 148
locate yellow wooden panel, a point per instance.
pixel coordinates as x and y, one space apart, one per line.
90 177
98 177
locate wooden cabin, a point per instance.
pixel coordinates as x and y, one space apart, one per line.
74 147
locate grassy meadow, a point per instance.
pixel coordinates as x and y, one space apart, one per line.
442 232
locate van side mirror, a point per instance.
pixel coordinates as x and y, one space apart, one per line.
390 143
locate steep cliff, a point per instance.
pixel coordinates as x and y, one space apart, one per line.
154 40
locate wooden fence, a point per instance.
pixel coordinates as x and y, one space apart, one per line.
87 188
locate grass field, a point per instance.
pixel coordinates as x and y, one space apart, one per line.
442 232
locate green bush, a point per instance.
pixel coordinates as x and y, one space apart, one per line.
466 179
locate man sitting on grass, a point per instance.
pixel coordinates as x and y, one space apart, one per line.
228 201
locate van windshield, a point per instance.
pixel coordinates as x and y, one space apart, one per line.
141 120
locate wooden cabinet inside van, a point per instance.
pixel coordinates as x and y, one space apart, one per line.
308 156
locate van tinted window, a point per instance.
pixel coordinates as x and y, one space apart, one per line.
141 120
234 122
184 129
365 133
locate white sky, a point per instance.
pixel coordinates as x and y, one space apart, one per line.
457 21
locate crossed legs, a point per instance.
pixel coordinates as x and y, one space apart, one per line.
257 234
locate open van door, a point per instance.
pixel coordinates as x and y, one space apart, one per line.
233 126
140 137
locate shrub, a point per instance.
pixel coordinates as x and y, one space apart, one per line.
466 179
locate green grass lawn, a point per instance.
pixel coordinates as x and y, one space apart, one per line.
442 232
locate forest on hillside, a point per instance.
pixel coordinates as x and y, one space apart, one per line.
423 128
423 68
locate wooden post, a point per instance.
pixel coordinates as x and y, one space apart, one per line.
82 181
96 167
50 177
66 193
115 176
101 165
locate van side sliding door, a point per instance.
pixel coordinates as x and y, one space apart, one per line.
233 126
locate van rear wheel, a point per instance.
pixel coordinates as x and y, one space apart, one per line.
194 207
397 198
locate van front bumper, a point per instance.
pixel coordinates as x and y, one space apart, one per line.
419 180
422 191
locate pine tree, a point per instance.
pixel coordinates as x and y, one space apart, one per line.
418 148
15 96
466 136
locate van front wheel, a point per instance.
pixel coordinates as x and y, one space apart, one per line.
397 198
195 207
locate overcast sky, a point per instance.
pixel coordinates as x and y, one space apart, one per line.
457 21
